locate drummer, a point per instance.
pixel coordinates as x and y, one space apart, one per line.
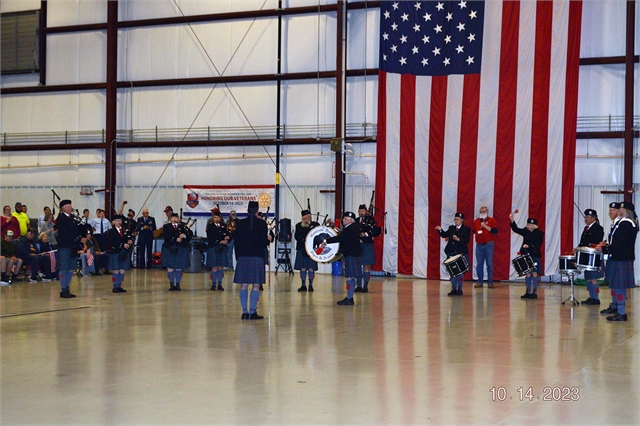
458 239
350 248
303 262
592 235
532 239
621 251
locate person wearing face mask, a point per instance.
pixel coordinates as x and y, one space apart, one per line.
485 229
532 240
458 236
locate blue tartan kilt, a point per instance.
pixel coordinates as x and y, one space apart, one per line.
303 261
65 261
352 267
368 255
249 270
115 264
179 260
593 275
620 274
217 259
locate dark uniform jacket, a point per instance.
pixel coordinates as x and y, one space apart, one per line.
454 247
171 235
301 236
623 240
593 235
349 240
368 226
251 237
26 248
215 234
533 239
115 242
68 232
146 228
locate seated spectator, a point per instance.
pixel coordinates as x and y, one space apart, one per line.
27 250
44 248
13 263
8 222
94 260
48 227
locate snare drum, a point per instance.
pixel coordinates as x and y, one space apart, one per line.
523 265
456 265
588 259
313 244
567 264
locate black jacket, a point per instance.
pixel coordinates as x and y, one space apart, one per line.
349 240
368 225
594 235
251 237
623 241
534 239
301 235
146 228
215 234
68 231
454 247
171 235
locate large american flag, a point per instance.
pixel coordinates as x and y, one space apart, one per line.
477 105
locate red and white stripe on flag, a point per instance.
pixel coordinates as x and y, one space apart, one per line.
504 138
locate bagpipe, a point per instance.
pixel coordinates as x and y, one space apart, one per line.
182 230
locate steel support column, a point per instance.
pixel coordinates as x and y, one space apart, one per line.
340 99
111 96
628 101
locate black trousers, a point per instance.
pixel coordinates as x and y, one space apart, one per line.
145 250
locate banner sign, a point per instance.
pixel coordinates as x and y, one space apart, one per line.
199 200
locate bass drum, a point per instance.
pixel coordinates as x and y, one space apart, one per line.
313 244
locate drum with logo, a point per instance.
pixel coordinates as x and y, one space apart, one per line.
313 244
456 265
523 265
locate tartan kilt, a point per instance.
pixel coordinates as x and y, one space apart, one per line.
593 275
179 260
249 270
217 259
303 261
620 274
352 267
115 264
368 255
65 261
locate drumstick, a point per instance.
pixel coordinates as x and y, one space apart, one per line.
516 211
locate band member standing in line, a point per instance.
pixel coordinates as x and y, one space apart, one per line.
592 235
231 227
614 209
217 237
146 226
304 263
175 256
351 249
69 241
368 230
119 240
532 240
458 239
621 251
252 239
485 229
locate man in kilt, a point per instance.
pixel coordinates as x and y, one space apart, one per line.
621 251
175 253
217 257
303 262
119 240
69 243
252 239
592 235
351 249
368 230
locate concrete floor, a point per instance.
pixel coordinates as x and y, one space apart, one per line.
404 354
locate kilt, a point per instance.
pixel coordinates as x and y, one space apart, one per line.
249 270
115 264
620 274
538 262
352 267
593 275
368 255
303 261
217 259
179 260
65 261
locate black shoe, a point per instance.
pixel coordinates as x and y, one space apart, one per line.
365 289
586 302
173 288
609 310
525 296
358 289
261 287
459 292
310 288
592 302
346 302
220 287
453 293
617 317
244 317
213 287
533 296
119 290
302 288
66 294
177 287
255 316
